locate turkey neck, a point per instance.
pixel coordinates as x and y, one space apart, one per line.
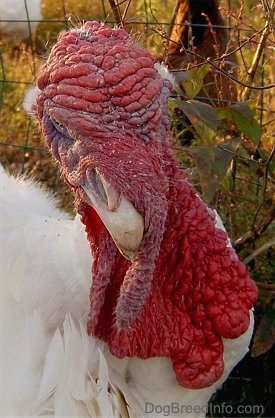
110 268
199 291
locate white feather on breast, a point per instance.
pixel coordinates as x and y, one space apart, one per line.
45 253
49 365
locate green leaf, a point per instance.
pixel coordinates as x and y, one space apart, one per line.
241 114
245 122
228 181
265 334
244 109
203 118
192 80
212 171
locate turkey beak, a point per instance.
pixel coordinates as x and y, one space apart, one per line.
120 217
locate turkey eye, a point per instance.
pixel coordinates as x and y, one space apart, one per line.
69 135
96 184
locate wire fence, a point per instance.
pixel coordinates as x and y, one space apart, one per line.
225 46
32 30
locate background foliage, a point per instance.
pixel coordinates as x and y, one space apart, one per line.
229 158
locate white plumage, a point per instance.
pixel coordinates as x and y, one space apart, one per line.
19 18
49 366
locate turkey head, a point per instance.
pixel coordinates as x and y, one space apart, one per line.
165 281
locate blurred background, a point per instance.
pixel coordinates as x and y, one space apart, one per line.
222 120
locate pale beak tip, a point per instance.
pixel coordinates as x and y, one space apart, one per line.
128 254
124 223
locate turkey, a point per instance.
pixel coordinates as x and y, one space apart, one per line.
19 18
170 305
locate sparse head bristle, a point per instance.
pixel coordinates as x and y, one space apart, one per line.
100 71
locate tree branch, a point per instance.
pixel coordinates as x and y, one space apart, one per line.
211 63
265 286
255 232
116 11
265 31
259 251
255 63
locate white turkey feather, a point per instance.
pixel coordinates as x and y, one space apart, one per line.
153 381
35 234
50 366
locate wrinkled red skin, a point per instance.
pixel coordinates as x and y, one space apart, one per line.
186 289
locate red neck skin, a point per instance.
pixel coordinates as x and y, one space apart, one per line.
198 293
